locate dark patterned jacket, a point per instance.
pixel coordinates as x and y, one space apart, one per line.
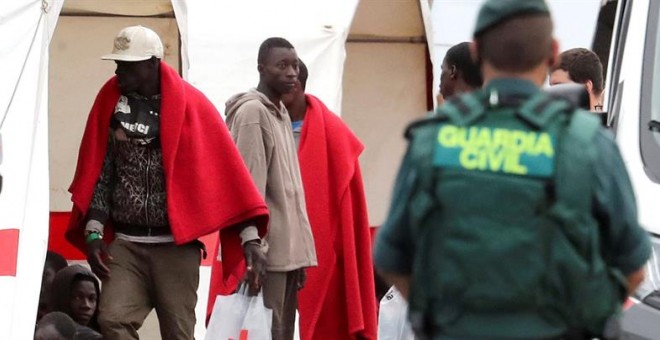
131 188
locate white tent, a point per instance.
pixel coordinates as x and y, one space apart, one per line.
25 30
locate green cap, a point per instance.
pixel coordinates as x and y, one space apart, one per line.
494 12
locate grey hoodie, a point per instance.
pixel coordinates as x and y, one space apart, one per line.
263 135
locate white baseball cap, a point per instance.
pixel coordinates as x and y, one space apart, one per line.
136 43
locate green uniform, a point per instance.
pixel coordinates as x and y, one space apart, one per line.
624 245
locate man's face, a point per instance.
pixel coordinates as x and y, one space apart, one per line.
280 70
446 81
48 332
560 76
132 75
290 98
83 301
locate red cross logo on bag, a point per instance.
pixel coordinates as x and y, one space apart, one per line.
242 336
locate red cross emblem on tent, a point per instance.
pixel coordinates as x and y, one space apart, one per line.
8 251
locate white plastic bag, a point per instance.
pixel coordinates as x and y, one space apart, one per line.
240 317
296 333
393 317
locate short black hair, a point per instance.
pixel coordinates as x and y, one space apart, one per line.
62 323
582 65
302 74
517 45
460 56
55 261
269 44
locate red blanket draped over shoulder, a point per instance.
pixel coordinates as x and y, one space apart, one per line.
338 301
208 186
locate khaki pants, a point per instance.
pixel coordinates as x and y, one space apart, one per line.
144 277
281 295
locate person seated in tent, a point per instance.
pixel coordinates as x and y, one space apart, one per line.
157 169
55 326
54 263
75 291
339 301
460 73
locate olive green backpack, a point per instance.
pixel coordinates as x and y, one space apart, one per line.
503 224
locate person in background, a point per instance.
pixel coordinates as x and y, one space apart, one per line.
580 65
338 301
54 263
158 167
460 73
55 326
75 291
261 128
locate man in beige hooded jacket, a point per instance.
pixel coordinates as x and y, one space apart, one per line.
261 128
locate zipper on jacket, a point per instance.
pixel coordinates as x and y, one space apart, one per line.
146 202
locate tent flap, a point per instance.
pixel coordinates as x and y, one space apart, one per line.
24 197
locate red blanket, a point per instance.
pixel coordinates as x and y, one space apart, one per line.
208 186
338 301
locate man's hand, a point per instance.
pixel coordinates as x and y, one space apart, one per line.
97 254
255 258
302 278
401 282
635 279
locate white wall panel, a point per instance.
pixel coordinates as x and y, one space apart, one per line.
384 90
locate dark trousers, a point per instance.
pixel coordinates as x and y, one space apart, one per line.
280 291
147 276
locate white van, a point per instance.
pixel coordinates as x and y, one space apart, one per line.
628 42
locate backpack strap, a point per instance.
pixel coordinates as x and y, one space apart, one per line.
540 110
464 109
569 195
432 117
574 177
573 183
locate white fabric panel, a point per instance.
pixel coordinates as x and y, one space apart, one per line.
181 14
427 19
118 7
387 18
454 20
24 199
53 9
224 38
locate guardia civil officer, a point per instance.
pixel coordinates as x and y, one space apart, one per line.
512 215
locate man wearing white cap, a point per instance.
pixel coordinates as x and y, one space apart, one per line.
158 169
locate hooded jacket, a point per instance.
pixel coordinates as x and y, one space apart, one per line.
263 135
61 290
